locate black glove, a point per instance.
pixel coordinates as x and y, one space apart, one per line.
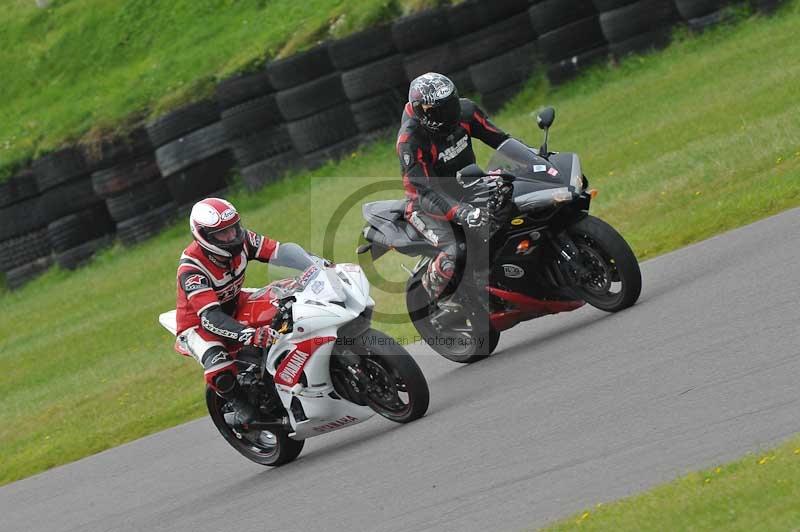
470 216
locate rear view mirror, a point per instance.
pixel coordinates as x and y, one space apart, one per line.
546 117
469 175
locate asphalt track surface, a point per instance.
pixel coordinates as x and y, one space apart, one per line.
573 410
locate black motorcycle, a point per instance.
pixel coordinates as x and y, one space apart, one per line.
540 252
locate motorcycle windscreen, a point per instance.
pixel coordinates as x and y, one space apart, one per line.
532 171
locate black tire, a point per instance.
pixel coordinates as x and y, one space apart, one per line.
569 68
281 449
240 88
690 9
497 10
361 48
380 111
192 149
195 182
20 275
608 5
463 81
495 39
21 218
467 17
140 228
638 18
467 347
421 30
138 200
312 97
251 116
81 254
646 42
114 150
67 199
571 40
374 78
512 67
59 167
553 14
8 192
17 188
722 16
119 178
494 101
388 364
336 151
300 68
270 170
766 6
262 145
182 121
603 247
75 229
443 59
23 249
322 129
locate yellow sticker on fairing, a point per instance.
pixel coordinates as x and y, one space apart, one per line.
517 221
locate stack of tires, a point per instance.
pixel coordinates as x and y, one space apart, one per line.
373 78
78 223
25 250
193 155
311 99
633 26
424 41
700 14
498 49
570 37
129 180
258 135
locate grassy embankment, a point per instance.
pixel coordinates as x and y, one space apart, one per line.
81 68
684 144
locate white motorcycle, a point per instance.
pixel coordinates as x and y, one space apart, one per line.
328 370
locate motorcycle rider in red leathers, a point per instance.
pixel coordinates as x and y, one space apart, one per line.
434 143
210 276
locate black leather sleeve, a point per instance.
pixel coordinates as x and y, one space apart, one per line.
481 127
215 321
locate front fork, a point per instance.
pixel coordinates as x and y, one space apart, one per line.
569 259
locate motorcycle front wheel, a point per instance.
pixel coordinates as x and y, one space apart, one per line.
614 280
265 447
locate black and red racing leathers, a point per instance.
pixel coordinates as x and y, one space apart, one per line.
429 164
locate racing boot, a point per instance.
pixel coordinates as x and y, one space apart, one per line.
438 276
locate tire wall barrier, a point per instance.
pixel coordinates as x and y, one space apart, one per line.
303 110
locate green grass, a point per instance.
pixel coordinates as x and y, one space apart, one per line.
757 492
684 144
83 67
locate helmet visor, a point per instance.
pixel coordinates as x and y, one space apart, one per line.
447 113
228 238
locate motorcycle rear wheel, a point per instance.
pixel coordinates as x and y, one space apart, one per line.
460 343
269 448
616 281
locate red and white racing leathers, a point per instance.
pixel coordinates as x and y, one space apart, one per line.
206 285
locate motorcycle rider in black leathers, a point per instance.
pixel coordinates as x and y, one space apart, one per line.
434 143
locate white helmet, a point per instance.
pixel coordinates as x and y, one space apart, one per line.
216 226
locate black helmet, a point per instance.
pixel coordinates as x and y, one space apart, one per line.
434 100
